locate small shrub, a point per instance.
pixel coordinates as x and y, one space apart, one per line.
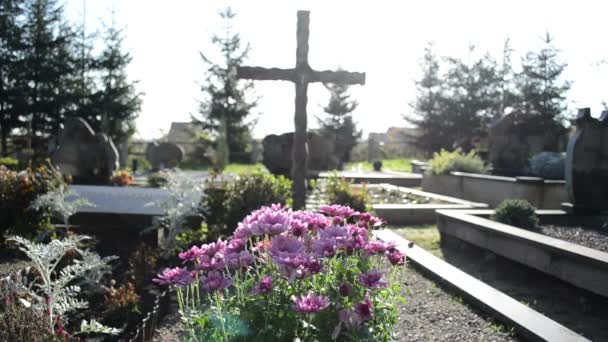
518 213
339 191
377 165
445 162
17 192
9 163
122 178
227 203
158 179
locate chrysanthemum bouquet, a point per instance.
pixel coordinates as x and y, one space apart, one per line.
287 275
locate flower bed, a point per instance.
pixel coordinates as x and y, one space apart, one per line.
291 274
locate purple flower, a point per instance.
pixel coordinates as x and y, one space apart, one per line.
349 318
174 276
378 247
238 259
264 285
365 309
372 280
344 289
337 210
268 221
396 258
211 256
298 228
324 247
236 245
310 303
190 255
285 246
215 281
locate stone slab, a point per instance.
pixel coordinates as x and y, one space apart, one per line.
405 179
527 321
120 200
581 266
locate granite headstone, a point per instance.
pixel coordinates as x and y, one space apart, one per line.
587 163
85 156
278 150
164 155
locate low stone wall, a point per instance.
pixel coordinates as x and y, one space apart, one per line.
575 264
400 214
373 177
541 193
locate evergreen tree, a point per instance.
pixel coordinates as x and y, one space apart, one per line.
508 95
542 92
429 112
472 97
46 70
117 103
225 96
338 120
11 46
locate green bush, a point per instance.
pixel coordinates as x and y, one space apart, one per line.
444 162
10 163
17 193
227 203
518 213
339 191
158 179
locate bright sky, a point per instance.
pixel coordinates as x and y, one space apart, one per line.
385 39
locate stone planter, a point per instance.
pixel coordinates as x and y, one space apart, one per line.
541 193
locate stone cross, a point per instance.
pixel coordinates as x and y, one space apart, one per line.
301 75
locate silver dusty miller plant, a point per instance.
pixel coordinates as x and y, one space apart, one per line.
62 203
56 291
183 201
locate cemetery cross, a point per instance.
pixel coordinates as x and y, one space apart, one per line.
301 75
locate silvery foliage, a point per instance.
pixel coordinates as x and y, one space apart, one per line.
95 327
61 202
183 201
55 292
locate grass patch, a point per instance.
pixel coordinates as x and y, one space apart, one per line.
426 237
401 164
230 168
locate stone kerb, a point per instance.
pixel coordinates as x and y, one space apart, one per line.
419 213
490 189
578 265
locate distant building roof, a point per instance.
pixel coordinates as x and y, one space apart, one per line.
395 135
183 132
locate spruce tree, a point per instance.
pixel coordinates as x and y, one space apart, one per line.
225 97
338 120
11 46
428 109
472 97
117 102
46 69
542 91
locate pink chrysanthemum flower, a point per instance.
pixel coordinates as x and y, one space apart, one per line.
264 285
396 258
215 281
271 222
238 259
365 309
310 303
174 276
337 210
378 247
211 256
372 280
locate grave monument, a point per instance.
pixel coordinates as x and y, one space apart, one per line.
85 156
301 75
587 164
164 155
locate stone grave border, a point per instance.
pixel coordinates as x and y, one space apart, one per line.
490 189
527 322
578 265
400 214
371 177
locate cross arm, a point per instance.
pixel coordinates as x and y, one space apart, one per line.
340 77
258 73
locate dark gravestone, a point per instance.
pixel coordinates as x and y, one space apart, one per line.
277 153
301 75
548 165
164 155
514 138
85 156
587 163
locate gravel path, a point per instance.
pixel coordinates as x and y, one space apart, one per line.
430 314
580 235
